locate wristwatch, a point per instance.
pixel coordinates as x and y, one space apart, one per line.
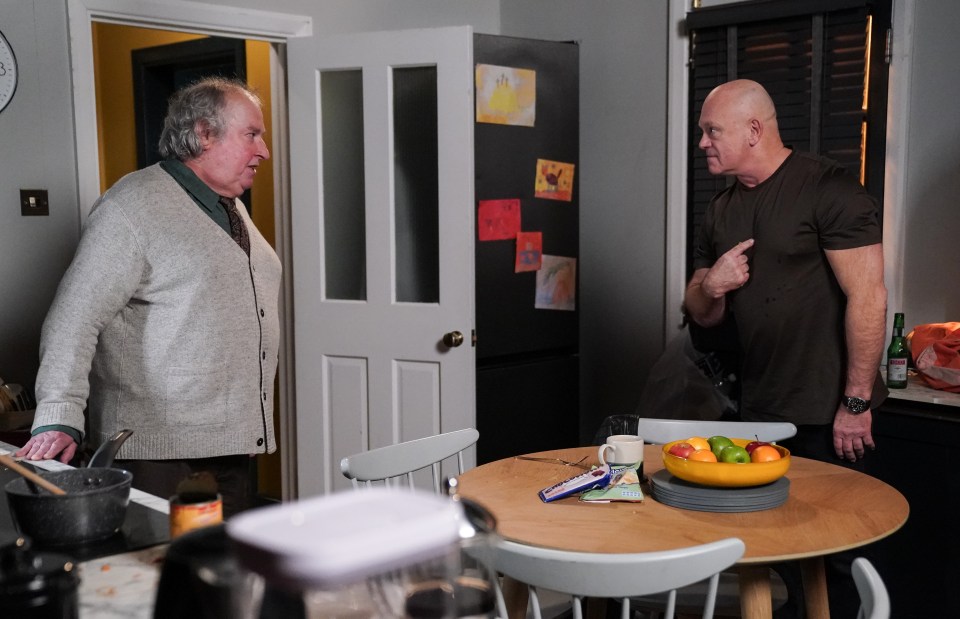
855 405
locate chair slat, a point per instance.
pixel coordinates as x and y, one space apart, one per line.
614 575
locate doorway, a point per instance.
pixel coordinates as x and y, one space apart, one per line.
267 28
136 69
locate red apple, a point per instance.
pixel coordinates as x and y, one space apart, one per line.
682 450
754 444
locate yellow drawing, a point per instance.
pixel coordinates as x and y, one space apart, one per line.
505 95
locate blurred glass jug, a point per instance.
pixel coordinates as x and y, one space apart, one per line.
371 554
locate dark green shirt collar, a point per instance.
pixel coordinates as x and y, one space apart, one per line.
206 198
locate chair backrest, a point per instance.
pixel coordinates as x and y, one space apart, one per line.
611 575
660 431
394 464
874 599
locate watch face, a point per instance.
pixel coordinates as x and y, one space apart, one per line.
856 405
8 72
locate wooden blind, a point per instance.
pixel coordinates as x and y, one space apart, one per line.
812 59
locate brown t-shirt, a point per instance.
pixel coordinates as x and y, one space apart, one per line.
790 313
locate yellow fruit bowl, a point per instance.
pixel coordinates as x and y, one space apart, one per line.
727 474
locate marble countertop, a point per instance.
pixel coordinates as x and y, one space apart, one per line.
919 391
121 586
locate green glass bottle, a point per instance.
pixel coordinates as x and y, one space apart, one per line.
897 356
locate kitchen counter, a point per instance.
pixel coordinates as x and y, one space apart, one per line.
122 585
918 391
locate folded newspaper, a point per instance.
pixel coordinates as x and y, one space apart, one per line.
624 485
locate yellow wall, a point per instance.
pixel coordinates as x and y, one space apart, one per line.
258 78
116 128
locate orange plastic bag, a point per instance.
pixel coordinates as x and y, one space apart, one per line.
936 353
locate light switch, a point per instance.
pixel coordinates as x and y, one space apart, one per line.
34 202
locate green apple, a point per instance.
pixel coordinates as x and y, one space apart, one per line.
717 443
734 453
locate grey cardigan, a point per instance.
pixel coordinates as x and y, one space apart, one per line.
166 326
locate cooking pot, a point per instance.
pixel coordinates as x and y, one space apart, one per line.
93 508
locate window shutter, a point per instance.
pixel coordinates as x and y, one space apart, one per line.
811 58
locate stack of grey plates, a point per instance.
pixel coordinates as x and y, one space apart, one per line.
676 492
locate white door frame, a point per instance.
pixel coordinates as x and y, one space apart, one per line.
214 20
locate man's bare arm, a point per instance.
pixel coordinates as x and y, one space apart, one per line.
859 272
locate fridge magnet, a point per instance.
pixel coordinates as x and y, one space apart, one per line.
529 248
506 96
498 219
554 180
556 283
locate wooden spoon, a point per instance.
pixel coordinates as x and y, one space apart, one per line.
13 465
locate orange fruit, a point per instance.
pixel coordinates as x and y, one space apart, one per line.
702 455
698 442
765 453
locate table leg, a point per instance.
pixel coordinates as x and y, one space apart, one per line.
815 588
596 608
755 598
515 597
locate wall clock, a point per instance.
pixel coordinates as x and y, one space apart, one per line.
8 72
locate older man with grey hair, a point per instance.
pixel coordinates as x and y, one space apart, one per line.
166 321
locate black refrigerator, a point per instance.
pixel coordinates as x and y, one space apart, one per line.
527 349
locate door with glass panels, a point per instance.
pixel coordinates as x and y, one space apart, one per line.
381 142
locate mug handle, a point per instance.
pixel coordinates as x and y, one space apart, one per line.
600 457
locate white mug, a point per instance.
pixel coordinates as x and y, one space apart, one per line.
624 450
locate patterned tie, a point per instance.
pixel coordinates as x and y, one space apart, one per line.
237 230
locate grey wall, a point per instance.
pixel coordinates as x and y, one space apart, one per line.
333 16
623 62
931 260
36 151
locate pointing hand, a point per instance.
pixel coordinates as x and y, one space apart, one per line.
730 272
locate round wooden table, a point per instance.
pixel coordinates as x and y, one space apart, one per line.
830 509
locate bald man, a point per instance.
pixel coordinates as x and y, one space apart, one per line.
792 249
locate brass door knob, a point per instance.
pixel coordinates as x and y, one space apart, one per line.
453 339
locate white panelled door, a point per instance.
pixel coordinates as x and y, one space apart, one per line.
381 141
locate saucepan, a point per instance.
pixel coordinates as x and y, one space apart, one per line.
93 507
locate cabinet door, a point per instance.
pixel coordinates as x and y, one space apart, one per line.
381 140
527 406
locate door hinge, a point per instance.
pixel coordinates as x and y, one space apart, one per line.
888 46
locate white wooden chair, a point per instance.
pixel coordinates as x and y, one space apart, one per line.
874 599
391 464
660 431
610 575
